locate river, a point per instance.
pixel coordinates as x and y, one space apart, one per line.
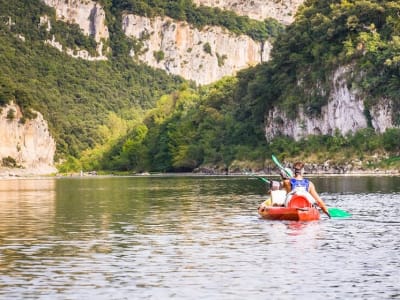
194 237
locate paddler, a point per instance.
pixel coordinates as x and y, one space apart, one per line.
300 183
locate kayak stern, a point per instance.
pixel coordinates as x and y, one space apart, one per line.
289 213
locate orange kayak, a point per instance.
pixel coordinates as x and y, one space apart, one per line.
289 213
298 209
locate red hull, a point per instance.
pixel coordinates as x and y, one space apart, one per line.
289 213
298 209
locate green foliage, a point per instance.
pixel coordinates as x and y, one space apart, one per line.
79 97
191 128
11 114
391 139
185 10
74 95
129 152
326 35
9 162
207 48
158 55
71 164
207 127
222 124
111 115
221 59
364 145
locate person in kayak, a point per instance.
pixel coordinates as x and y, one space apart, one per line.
286 174
279 189
302 184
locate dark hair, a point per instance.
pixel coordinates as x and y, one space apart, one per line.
298 167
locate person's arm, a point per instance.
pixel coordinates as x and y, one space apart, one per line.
318 199
286 185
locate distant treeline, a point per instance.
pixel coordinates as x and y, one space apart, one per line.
212 128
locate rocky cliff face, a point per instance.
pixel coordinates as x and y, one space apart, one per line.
89 15
203 56
345 112
282 10
30 145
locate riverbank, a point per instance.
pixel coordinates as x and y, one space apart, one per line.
23 173
310 170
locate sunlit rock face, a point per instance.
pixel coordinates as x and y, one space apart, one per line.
203 56
344 112
89 15
283 10
28 143
91 18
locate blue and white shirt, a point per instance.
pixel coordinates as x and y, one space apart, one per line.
300 184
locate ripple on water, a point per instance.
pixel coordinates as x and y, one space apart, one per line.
191 239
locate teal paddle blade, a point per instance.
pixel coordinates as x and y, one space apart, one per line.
263 179
280 166
338 213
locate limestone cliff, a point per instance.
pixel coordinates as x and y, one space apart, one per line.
29 145
345 112
281 10
201 55
90 17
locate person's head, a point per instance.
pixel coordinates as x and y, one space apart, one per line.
298 168
286 173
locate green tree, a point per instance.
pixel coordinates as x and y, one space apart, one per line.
391 139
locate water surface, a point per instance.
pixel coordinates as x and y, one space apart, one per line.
176 237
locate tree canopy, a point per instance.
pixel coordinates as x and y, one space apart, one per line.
120 115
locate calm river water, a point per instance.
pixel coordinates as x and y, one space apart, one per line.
187 237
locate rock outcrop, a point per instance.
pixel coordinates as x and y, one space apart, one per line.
26 145
283 10
203 56
90 17
345 112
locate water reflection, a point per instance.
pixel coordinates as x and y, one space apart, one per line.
26 208
193 237
353 184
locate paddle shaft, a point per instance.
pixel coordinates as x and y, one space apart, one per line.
280 166
263 179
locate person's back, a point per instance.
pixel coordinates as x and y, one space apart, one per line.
300 186
298 183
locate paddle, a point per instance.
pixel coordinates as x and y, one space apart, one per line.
333 211
263 179
259 177
279 165
338 213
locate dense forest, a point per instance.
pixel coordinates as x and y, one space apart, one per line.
74 95
119 115
329 34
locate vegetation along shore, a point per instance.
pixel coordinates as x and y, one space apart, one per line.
81 89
